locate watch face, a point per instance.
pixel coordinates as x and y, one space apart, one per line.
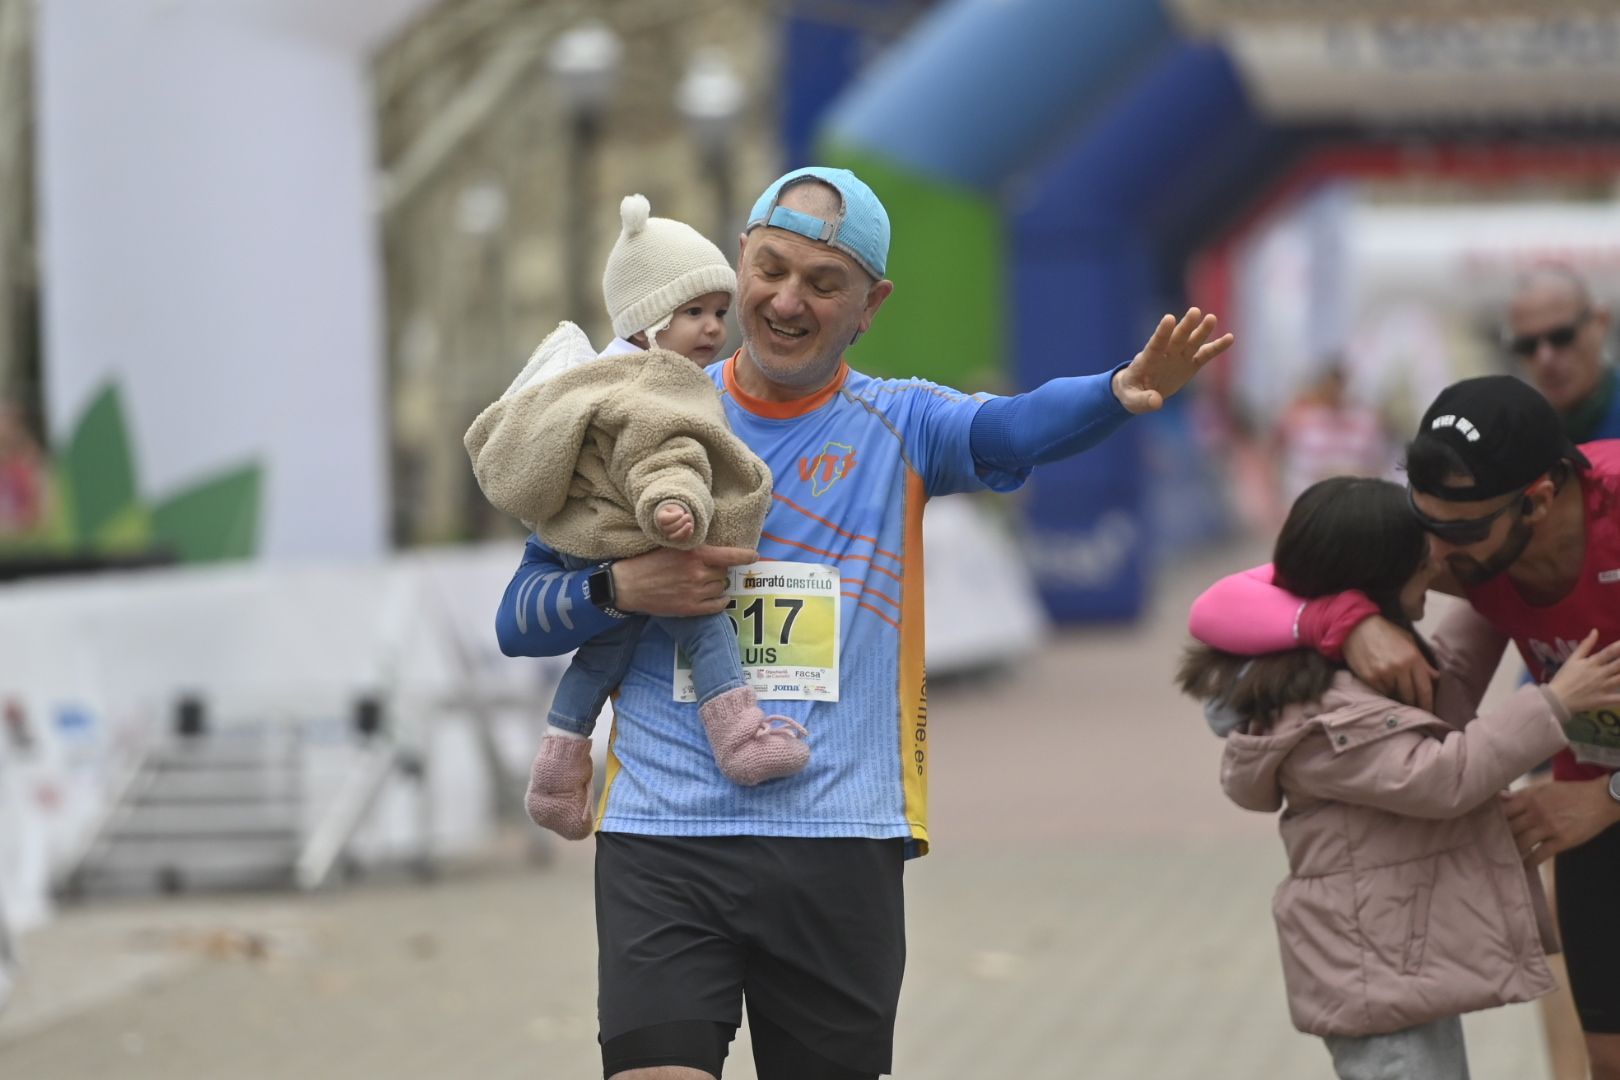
1614 786
600 587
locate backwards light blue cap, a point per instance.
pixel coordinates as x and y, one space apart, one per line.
860 231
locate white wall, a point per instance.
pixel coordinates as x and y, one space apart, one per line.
208 242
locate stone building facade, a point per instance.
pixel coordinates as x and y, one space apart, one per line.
478 200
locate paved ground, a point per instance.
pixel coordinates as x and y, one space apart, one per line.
1093 909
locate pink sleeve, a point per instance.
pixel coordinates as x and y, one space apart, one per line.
1246 614
1325 622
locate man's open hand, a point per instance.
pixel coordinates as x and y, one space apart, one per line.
1174 354
1386 658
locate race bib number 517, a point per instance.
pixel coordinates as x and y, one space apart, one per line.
786 618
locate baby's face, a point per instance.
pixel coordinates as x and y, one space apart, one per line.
698 329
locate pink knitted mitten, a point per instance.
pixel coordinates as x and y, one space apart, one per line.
749 746
559 795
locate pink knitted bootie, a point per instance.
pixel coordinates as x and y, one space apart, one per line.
749 746
559 795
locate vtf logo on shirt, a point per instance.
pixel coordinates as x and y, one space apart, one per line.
836 461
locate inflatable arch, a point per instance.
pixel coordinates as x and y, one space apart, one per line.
1053 169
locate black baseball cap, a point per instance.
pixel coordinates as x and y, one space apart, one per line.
1504 431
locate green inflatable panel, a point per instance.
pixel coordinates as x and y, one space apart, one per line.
944 321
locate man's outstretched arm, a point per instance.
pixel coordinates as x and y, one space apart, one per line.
1066 416
1057 419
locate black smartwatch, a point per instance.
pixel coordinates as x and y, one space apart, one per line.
599 590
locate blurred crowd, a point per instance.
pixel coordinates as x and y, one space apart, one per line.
1553 332
24 475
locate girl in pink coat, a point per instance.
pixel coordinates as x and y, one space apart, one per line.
1406 902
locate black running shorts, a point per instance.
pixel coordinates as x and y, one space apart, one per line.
1588 880
810 931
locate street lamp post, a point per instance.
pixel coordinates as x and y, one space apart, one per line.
481 215
710 97
583 61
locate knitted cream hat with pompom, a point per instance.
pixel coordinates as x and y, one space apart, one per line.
656 266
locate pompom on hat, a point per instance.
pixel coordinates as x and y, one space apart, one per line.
657 265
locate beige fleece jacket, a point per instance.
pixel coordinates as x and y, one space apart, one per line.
586 457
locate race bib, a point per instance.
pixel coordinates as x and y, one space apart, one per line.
1594 737
786 618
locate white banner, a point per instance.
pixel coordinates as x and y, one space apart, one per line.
1420 59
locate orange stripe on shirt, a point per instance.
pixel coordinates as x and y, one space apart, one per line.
890 573
882 596
878 613
886 572
822 551
860 592
862 558
849 535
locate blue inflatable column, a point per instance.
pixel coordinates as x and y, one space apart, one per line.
823 56
1086 292
1075 296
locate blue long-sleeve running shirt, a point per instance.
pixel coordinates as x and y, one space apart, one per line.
853 466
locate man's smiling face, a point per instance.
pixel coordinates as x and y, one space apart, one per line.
801 303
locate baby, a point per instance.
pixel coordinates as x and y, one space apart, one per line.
609 456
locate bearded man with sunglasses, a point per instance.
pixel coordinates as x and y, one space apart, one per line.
1527 527
1558 332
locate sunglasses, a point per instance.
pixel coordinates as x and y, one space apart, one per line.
1559 337
1462 531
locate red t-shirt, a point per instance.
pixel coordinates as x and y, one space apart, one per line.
1546 635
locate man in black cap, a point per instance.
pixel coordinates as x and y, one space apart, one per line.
1528 526
1482 441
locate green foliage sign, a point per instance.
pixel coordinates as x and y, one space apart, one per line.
95 504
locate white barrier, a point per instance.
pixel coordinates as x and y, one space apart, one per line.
91 669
